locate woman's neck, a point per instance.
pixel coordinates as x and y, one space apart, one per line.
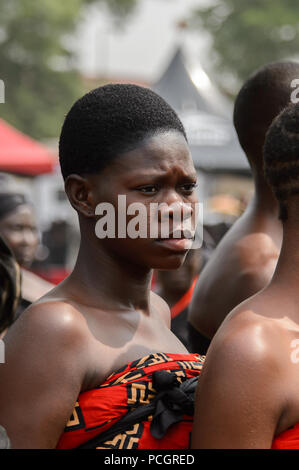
106 281
264 201
287 270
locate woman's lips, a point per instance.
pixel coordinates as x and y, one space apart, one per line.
176 244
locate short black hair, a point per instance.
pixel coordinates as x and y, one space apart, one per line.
9 201
281 156
262 97
109 121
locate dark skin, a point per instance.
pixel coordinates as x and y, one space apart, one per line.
248 390
172 285
244 260
19 229
20 232
104 314
242 264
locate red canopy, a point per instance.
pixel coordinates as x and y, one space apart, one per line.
21 154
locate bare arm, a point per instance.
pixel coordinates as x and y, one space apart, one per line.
45 366
239 399
236 274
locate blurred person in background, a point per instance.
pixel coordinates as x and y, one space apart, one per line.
245 259
10 287
247 395
57 255
10 291
19 229
176 288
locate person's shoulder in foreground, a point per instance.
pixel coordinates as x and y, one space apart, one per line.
245 259
243 401
237 269
247 395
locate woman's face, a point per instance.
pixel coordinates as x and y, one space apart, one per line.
159 171
20 232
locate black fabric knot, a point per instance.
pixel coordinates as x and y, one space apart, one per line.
163 380
173 401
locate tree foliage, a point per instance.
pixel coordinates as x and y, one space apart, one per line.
36 65
247 34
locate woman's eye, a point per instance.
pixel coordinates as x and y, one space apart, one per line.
16 228
148 189
189 187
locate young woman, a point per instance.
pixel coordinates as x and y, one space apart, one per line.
19 229
10 287
248 391
98 346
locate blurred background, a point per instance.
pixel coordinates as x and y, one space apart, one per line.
194 53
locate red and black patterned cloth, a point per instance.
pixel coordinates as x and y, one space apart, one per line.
105 417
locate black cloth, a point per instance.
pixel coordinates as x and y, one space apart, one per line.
197 342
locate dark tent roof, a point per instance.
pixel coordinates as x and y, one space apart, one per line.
211 135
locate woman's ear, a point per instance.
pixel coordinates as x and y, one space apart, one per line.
80 195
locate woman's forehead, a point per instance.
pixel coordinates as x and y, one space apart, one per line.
156 155
20 213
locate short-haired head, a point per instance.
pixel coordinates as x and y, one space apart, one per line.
10 201
109 121
281 157
262 97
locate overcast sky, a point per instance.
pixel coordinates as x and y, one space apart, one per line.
142 49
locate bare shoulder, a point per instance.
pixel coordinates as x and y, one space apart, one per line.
50 313
258 255
162 307
242 393
54 325
250 357
238 270
46 366
249 340
256 249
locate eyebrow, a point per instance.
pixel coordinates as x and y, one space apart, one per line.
159 176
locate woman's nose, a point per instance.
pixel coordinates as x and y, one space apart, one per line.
174 206
29 237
